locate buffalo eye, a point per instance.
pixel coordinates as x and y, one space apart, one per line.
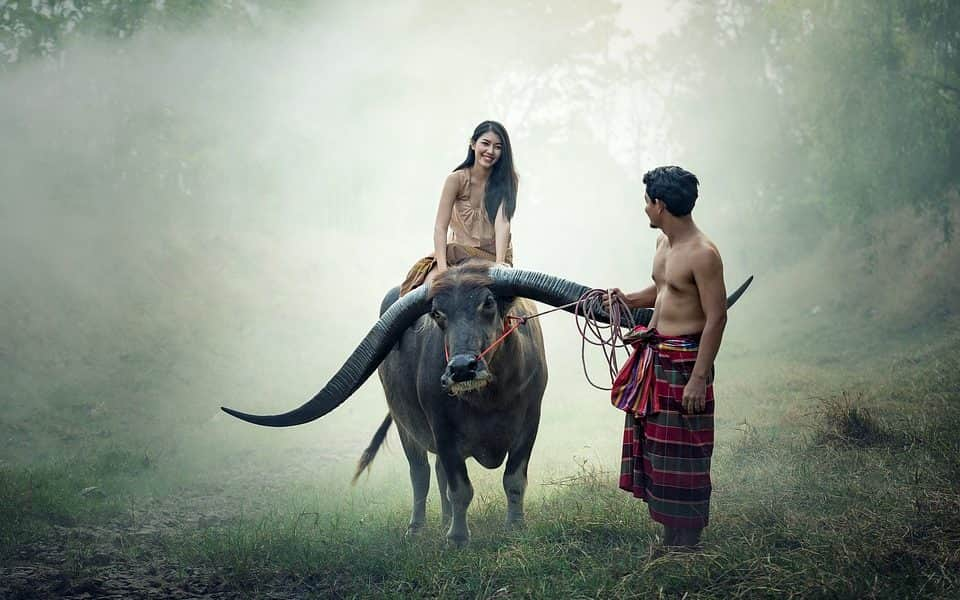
437 316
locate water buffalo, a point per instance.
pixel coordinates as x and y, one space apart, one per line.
446 395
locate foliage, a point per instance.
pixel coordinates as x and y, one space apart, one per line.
42 28
832 111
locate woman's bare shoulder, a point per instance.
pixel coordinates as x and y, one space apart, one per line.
456 180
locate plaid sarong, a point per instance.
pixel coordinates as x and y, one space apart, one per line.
666 451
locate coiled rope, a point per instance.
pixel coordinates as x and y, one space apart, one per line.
606 335
592 330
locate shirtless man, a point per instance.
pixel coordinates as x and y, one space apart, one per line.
668 437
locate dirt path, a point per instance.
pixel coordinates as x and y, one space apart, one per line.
124 556
121 558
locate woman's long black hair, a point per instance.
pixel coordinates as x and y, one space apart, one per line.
502 183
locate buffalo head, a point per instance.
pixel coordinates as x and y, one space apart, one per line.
471 318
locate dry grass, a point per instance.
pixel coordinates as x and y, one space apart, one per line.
845 420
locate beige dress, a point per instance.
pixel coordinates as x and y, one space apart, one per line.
470 234
469 223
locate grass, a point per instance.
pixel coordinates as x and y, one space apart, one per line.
843 420
66 492
827 523
793 517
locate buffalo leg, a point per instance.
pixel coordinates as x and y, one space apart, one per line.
460 492
515 480
444 500
419 479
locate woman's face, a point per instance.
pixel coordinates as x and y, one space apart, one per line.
487 149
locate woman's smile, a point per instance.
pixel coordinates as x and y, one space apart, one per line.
488 148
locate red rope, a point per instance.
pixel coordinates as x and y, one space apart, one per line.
519 321
607 336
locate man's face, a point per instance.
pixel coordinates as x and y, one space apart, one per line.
654 211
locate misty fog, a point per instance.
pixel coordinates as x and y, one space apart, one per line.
203 216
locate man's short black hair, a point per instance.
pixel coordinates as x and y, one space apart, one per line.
675 187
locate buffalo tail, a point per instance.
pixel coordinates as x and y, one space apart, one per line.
368 455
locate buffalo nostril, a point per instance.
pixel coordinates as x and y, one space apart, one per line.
462 367
463 363
463 375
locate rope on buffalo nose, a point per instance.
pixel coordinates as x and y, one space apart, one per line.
593 330
605 335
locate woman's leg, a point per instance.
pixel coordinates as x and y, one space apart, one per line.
417 274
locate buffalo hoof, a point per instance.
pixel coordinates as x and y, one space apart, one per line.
414 531
458 541
515 524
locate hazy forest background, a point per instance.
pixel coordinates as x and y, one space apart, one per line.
202 203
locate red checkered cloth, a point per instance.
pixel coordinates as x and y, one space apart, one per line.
666 451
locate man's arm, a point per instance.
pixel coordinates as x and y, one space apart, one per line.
708 275
645 298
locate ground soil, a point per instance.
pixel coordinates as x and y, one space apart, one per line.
125 556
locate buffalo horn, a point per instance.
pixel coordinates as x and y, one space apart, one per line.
556 291
361 364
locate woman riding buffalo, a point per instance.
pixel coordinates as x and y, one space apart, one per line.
477 203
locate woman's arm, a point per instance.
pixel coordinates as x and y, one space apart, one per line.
501 228
447 197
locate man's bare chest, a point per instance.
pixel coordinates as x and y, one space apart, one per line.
672 270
